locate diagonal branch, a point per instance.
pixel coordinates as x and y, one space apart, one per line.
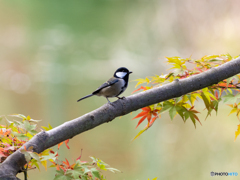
43 140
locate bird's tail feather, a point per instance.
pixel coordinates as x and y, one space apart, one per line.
85 97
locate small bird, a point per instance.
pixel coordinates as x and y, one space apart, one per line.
114 86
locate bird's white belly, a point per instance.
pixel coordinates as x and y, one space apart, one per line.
112 91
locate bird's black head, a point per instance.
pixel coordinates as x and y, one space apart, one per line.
122 72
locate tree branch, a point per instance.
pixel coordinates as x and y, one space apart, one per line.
43 140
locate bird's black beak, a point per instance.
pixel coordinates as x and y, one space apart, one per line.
130 72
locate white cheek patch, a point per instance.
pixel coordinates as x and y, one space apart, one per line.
121 74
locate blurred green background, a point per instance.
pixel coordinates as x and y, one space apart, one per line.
54 52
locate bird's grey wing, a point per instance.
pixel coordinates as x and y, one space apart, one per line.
110 82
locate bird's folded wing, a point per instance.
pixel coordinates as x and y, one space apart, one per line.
110 82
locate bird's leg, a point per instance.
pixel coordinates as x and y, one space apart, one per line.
120 97
108 101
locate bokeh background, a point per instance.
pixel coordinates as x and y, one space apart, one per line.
54 52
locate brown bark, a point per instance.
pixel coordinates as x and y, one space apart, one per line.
43 140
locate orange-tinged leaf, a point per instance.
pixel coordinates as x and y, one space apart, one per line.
7 132
199 69
63 168
195 116
66 142
142 87
72 166
237 132
231 105
54 164
195 111
149 117
60 144
141 120
66 163
152 121
154 113
146 109
1 154
143 113
222 84
216 94
191 108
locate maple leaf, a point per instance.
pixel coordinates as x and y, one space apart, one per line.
5 132
146 127
216 95
66 142
60 144
225 85
67 163
2 153
193 116
55 165
142 87
146 113
44 163
141 81
140 133
237 132
152 121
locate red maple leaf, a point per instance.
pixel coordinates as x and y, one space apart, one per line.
147 113
144 88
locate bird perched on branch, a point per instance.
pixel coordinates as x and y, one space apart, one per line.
114 86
